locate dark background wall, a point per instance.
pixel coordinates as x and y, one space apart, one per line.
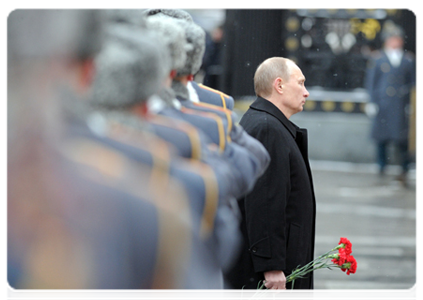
407 20
251 36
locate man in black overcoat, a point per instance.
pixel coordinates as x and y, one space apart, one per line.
279 214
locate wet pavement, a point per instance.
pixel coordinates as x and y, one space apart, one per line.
377 214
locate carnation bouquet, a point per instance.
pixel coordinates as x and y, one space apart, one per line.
339 257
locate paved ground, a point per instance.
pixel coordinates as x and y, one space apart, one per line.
378 215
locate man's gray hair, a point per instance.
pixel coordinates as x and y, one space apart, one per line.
268 71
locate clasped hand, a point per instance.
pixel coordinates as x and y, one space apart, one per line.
275 280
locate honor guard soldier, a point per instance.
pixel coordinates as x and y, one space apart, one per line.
80 213
213 125
205 93
124 120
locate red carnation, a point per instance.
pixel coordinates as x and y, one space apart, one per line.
350 265
353 267
341 257
347 245
343 254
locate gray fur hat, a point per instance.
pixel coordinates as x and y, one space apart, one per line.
196 46
195 38
131 67
173 13
390 29
173 35
127 16
90 33
48 32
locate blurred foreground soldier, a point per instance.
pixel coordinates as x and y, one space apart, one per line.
241 163
196 39
391 75
279 214
81 213
120 99
44 48
200 101
245 155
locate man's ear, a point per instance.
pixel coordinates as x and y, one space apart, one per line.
173 73
86 73
278 85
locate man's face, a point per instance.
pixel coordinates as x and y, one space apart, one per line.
394 42
295 93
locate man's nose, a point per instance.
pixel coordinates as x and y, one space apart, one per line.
306 93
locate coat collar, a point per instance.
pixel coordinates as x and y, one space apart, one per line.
396 61
267 106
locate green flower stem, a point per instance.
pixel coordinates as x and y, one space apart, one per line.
316 264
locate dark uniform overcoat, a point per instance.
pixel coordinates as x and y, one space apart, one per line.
279 214
389 88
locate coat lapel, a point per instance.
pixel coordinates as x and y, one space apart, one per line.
387 60
302 143
267 106
299 134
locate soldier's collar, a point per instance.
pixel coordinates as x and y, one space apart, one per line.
180 90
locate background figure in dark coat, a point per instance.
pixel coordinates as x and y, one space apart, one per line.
279 214
212 60
390 79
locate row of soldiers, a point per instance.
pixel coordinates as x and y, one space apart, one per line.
123 172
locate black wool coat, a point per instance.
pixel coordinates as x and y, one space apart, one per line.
278 216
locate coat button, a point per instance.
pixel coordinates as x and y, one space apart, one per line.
391 91
254 249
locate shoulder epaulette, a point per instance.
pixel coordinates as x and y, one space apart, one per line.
213 90
224 110
189 130
219 124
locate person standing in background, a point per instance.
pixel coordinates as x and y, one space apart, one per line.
390 77
212 58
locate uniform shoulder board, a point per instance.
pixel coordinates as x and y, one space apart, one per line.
212 90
